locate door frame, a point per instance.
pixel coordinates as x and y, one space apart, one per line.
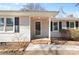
38 20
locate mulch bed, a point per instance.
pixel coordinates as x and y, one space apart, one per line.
13 48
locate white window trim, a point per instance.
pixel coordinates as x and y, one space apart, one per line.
4 30
57 26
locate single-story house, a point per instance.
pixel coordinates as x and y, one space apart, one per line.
28 25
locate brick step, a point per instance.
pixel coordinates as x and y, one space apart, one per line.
40 41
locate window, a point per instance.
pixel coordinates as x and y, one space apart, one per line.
71 24
16 24
9 24
55 25
1 24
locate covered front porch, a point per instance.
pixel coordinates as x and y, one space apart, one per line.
40 29
39 24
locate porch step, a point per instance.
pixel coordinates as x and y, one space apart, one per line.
40 41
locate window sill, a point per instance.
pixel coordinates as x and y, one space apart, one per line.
55 31
9 32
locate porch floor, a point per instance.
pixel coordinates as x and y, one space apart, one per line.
40 41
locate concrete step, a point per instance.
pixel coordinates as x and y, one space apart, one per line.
40 41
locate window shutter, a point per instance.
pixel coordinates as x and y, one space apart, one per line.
60 25
67 24
76 24
51 25
16 24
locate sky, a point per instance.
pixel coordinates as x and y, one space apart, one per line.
68 8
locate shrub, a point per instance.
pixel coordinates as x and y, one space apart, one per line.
65 33
71 33
74 34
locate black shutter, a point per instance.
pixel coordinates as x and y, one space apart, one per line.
67 24
16 24
60 25
51 26
76 24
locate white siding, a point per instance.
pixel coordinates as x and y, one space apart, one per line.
24 28
64 25
57 33
23 35
45 28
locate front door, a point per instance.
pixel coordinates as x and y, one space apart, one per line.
37 28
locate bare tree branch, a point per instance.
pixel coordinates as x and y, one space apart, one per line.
33 7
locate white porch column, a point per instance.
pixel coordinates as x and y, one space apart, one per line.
49 28
29 28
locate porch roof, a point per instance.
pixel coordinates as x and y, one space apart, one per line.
28 13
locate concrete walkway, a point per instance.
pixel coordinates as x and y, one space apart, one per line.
51 47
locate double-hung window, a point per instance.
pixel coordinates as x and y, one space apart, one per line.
54 26
71 24
9 24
